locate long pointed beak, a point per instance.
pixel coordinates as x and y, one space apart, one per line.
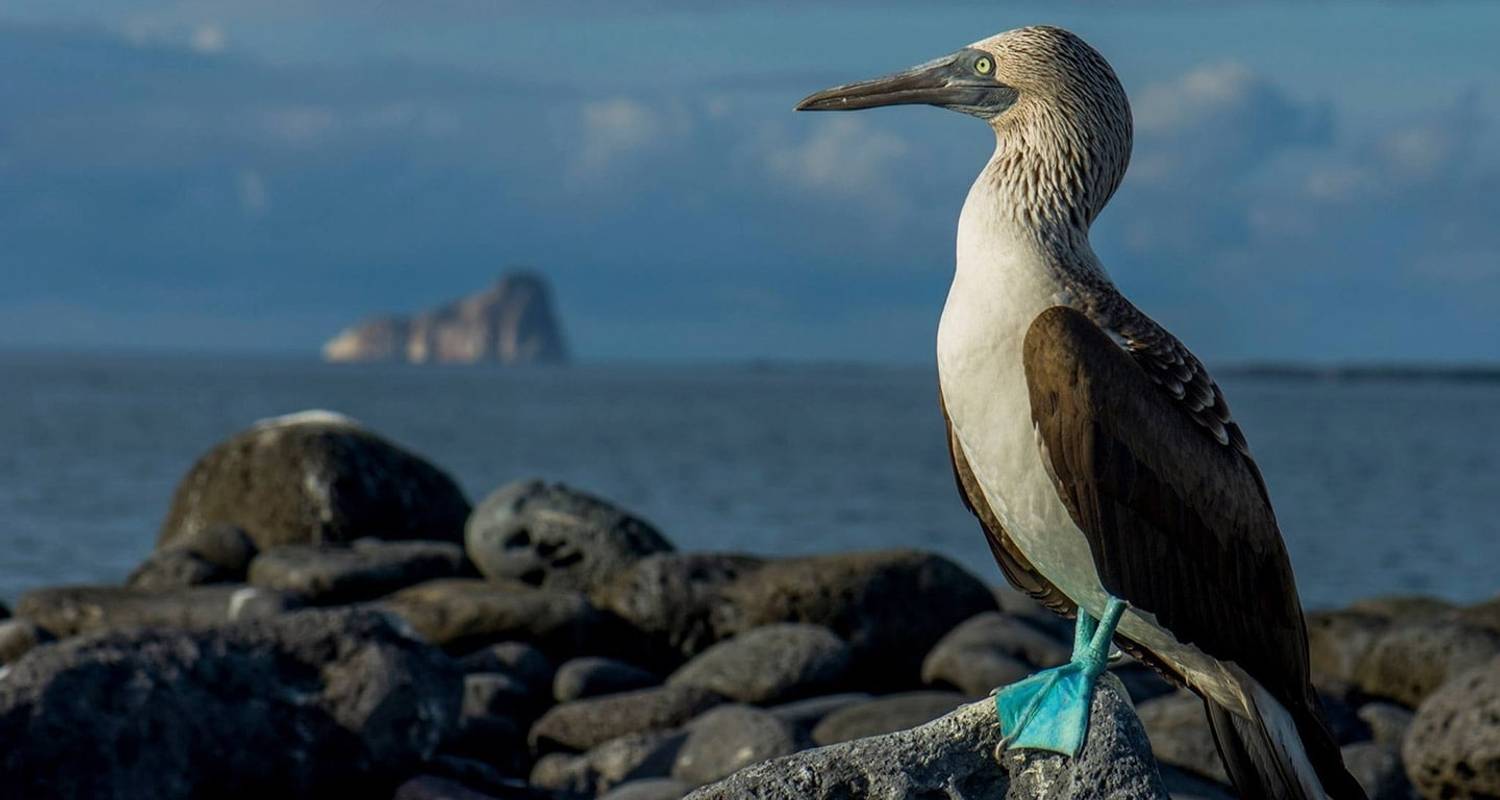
950 82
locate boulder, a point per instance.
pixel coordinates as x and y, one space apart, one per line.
1485 614
1142 682
310 703
770 664
1410 661
311 478
728 738
1378 769
1387 722
69 610
895 712
18 637
496 741
648 789
4 612
1180 735
989 650
669 598
1022 606
634 756
890 606
952 758
1453 747
499 694
1403 607
804 715
517 659
551 535
213 554
464 613
583 724
591 676
1338 641
438 787
327 574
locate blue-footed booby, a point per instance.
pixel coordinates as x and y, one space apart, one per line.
1099 456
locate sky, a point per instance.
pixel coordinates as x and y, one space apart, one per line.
1311 181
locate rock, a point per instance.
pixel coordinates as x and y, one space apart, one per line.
1343 720
497 741
510 323
1018 604
553 536
17 637
1403 608
582 724
498 694
804 715
4 612
224 545
518 659
1453 747
591 676
329 574
1480 615
990 650
1142 682
1184 785
176 568
312 478
895 712
1387 722
648 789
669 598
1338 641
1178 728
728 738
890 606
1408 662
951 758
648 754
1116 761
460 613
310 703
69 610
1378 769
770 664
438 787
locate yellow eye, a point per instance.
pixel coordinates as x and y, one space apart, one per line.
983 65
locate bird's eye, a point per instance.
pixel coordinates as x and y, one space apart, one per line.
984 65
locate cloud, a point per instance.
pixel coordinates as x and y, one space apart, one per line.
208 38
845 158
619 129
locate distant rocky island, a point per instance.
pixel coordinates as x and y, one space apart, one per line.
511 323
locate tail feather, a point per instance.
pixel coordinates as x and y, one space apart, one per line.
1278 754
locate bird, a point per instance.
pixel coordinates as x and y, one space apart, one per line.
1097 452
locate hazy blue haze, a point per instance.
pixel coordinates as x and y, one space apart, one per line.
1310 181
1381 487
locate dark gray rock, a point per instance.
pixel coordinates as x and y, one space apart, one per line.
302 704
498 742
175 568
635 756
990 650
1387 722
1184 785
17 637
728 738
804 715
1142 682
1480 615
1178 728
548 534
4 612
1378 769
669 598
896 712
1338 642
1403 607
226 546
69 610
311 478
518 659
1018 604
591 676
326 574
648 789
1453 747
462 613
951 758
496 693
583 724
769 664
1410 661
440 787
890 606
1343 720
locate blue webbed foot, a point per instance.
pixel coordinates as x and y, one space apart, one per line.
1050 710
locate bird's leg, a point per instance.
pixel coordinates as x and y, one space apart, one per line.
1050 710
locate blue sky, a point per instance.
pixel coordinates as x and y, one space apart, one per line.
1310 181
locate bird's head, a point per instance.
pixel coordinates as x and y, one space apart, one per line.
1058 111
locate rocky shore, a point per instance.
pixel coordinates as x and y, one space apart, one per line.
326 615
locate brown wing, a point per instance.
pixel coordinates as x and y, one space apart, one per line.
1175 511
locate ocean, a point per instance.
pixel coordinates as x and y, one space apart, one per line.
1382 486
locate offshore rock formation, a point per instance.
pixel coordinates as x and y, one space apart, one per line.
511 323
